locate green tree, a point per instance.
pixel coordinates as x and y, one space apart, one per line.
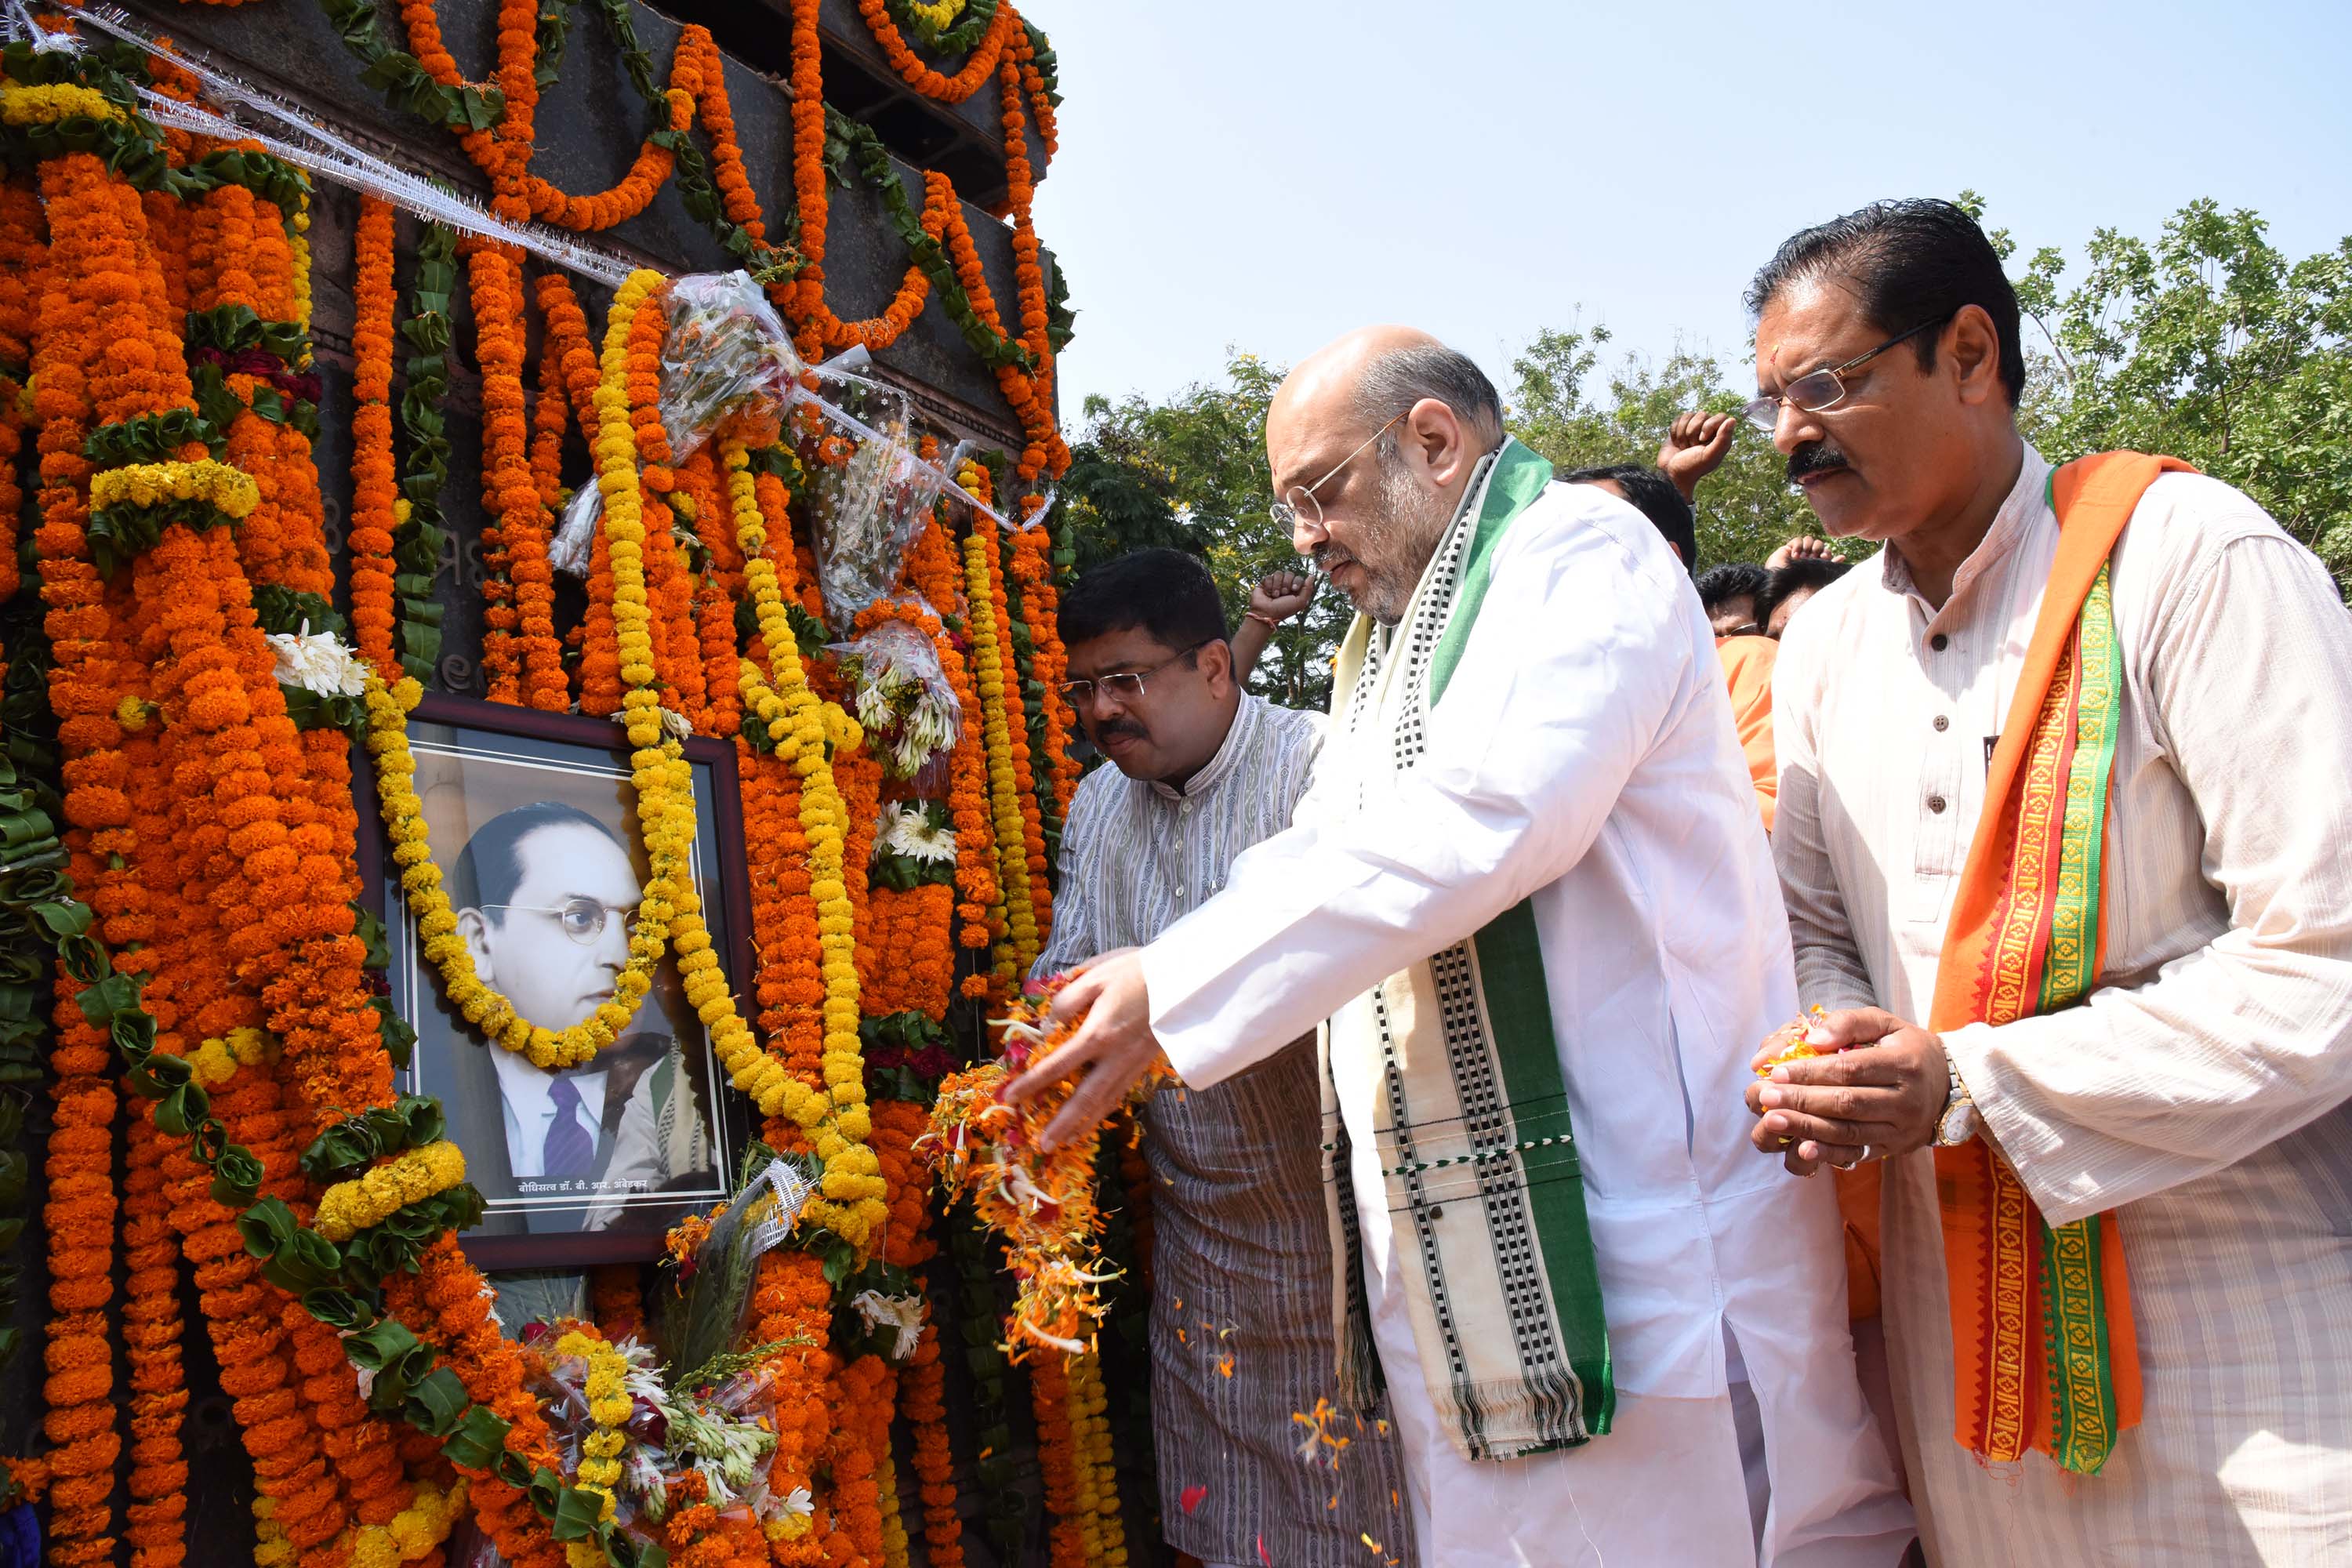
1190 474
1747 508
2209 344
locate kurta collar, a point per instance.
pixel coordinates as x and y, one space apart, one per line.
1213 772
2020 510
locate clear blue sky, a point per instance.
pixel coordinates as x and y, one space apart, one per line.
1270 174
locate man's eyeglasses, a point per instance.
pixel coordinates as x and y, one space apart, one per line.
1126 685
1300 502
583 919
1822 389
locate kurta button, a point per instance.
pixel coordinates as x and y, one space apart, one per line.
1936 803
1437 1211
1939 642
1942 724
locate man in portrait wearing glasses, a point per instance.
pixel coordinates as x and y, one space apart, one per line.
545 896
2068 853
1241 1289
1529 891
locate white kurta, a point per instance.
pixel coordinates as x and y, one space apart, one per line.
1584 756
2199 1091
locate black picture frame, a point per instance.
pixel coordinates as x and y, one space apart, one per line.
595 749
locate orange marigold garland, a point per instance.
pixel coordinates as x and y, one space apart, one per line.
151 1326
509 489
1044 1207
375 481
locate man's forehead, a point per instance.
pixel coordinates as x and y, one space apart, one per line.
1129 648
1807 327
572 860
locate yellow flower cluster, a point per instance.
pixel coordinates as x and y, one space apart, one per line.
270 1547
349 1208
24 105
413 1533
1013 957
1098 1516
936 15
229 491
850 1202
214 1062
436 923
299 241
609 1405
133 713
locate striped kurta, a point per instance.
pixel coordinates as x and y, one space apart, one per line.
2199 1093
1241 1260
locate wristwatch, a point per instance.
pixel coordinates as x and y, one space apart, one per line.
1960 1121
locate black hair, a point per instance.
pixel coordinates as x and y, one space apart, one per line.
1797 577
1732 579
489 868
1912 262
1164 593
1655 495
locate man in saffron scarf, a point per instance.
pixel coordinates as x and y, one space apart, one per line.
2067 850
1528 888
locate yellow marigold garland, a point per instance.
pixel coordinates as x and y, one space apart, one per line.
228 490
1013 956
1106 1535
25 105
609 1405
802 727
349 1208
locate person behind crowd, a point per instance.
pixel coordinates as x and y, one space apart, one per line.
1791 586
1730 593
1652 495
544 897
1241 1271
1529 891
2068 853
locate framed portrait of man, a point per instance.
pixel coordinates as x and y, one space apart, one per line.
532 821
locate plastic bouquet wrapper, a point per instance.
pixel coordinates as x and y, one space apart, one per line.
868 493
570 548
717 1256
908 711
703 1435
726 359
1044 1207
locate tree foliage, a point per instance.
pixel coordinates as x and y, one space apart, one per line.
2209 344
1190 474
1745 509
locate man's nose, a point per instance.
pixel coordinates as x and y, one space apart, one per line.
612 941
1307 532
1793 428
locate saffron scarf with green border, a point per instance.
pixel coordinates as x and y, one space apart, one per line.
2043 1352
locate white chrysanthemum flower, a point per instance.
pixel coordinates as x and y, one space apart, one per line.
317 663
908 831
1184 514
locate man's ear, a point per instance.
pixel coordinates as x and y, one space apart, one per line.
473 929
1974 345
1217 663
1437 435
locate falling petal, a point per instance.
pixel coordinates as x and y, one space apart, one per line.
1262 1555
1191 1497
1225 1365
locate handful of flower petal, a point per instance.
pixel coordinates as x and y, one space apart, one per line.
1043 1205
1791 1043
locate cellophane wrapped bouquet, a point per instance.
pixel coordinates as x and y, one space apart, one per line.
1043 1205
726 359
905 703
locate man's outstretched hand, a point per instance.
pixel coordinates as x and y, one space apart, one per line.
1115 1046
1694 447
1801 547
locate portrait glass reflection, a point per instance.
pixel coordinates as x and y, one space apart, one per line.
537 845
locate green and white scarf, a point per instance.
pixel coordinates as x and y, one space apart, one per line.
1492 1247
